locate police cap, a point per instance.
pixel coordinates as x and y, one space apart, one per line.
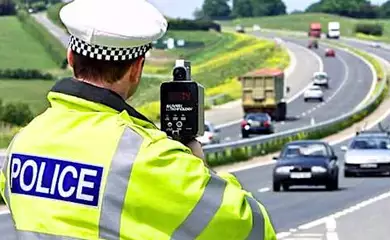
112 30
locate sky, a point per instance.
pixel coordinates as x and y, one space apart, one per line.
185 8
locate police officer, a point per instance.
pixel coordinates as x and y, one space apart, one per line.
92 167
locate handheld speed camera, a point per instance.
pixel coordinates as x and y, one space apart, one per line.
182 105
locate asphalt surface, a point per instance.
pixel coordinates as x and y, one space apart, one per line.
301 205
359 222
348 73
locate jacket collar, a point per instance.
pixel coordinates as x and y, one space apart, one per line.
86 91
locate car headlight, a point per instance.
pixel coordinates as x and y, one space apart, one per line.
247 127
285 169
318 169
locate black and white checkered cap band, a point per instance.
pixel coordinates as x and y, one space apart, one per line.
107 53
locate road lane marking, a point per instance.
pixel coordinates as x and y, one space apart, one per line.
266 189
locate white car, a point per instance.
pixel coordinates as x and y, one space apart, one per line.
321 79
375 44
210 136
314 93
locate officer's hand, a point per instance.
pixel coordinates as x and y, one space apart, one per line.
196 149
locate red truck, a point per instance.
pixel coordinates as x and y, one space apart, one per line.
315 30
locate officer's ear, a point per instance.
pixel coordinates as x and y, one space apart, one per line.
136 69
70 57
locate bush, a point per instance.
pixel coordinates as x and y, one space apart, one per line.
369 29
38 6
196 25
53 46
25 74
16 113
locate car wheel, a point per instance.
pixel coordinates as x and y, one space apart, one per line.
305 99
245 135
348 174
286 187
321 99
276 187
333 184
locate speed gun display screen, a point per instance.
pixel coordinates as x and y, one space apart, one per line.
180 96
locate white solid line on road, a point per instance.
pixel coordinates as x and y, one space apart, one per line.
345 211
309 234
331 233
264 190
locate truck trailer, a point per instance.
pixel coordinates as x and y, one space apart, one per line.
315 30
264 91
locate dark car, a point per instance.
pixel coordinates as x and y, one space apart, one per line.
306 163
313 44
256 123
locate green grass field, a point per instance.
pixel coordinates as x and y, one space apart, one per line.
300 22
19 50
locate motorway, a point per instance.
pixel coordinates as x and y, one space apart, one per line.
348 73
300 206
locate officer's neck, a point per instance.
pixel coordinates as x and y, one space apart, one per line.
122 88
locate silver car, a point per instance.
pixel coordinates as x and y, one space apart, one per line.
211 134
367 153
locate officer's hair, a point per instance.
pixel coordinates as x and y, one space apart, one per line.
108 71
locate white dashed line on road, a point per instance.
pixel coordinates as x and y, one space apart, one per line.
264 190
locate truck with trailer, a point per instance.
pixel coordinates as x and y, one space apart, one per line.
264 90
315 30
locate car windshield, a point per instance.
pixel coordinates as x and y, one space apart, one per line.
370 143
305 150
257 117
320 76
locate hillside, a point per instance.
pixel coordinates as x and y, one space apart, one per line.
300 22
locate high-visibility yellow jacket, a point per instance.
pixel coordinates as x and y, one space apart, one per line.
91 167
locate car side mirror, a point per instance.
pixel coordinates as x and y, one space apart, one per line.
275 158
288 89
344 148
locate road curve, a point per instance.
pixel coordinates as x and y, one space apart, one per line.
348 73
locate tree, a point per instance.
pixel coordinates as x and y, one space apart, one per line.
384 10
198 14
242 8
216 9
16 113
349 8
258 8
7 7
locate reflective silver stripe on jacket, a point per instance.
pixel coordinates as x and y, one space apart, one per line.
207 207
117 183
204 210
257 232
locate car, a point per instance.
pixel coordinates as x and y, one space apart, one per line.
321 79
256 123
314 92
211 134
375 44
368 153
306 163
313 44
240 29
330 52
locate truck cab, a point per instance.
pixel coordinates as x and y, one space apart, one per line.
264 91
315 30
333 30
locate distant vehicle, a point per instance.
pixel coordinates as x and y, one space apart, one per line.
313 43
375 44
210 136
367 153
264 91
315 30
256 27
240 29
329 52
333 30
306 163
314 92
321 79
256 123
